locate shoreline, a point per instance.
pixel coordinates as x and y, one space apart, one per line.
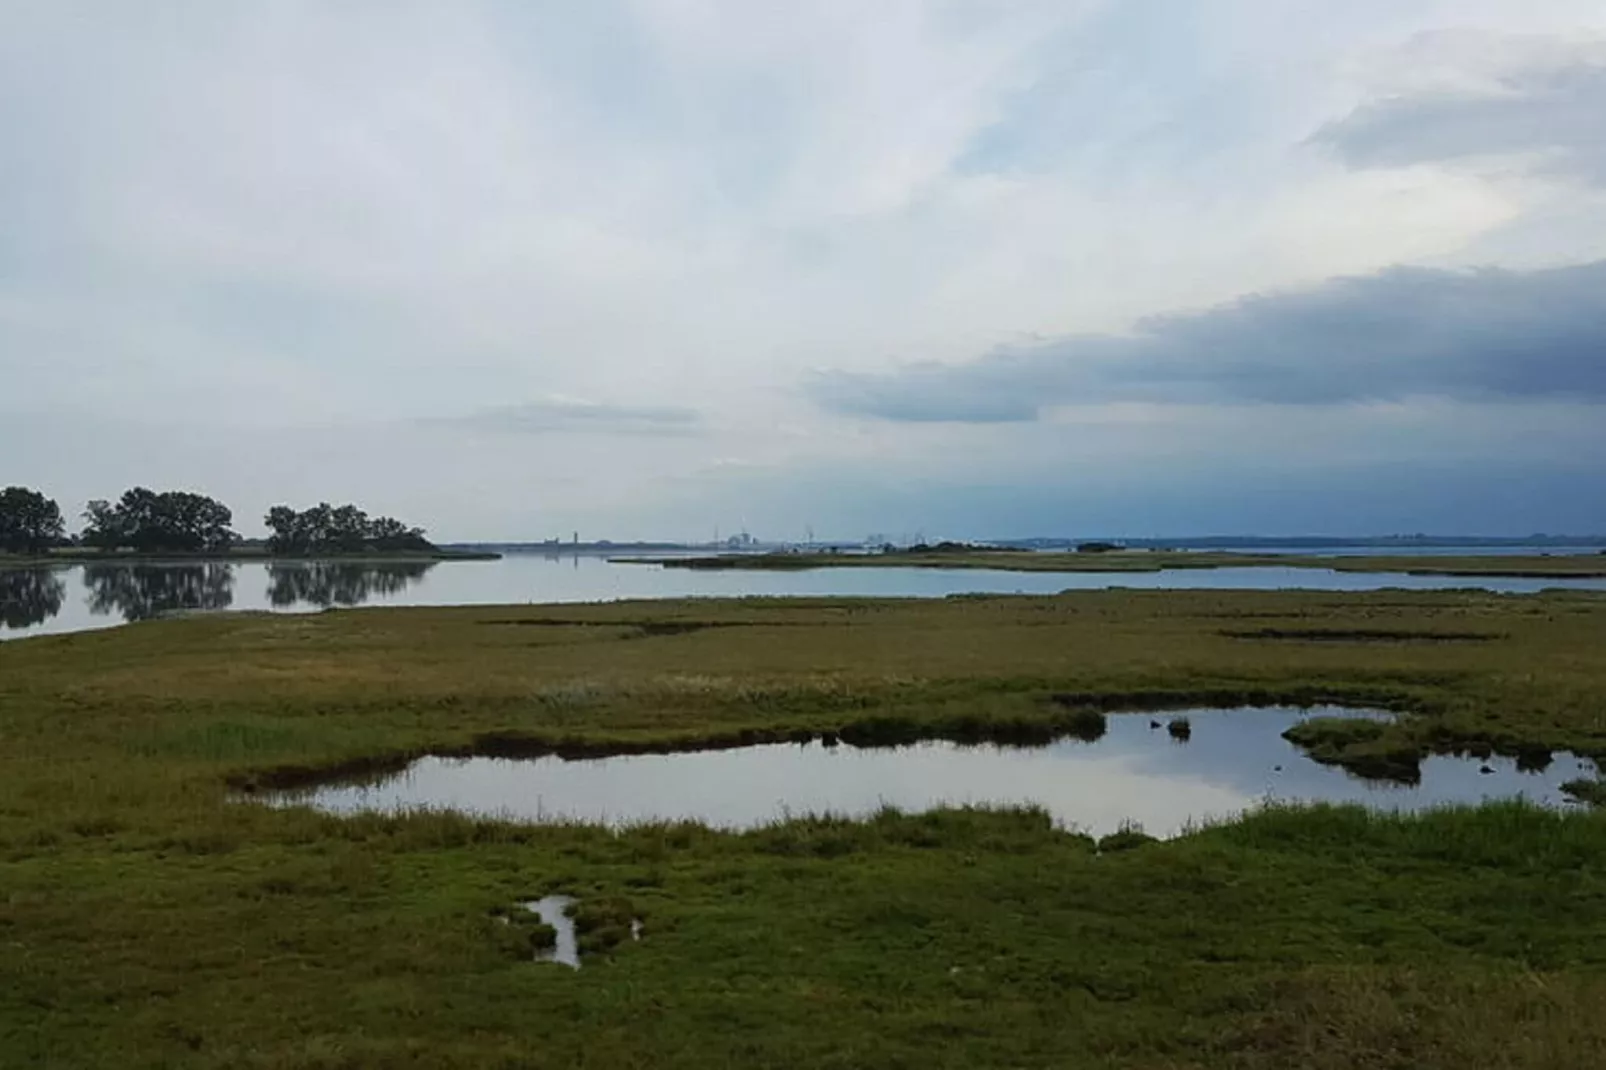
1527 566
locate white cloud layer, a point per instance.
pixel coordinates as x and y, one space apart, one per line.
509 268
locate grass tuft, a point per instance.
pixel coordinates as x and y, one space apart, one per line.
1126 839
1591 792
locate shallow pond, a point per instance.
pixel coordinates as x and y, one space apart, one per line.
1136 773
39 601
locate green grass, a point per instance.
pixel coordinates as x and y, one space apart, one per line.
148 920
1589 791
1533 566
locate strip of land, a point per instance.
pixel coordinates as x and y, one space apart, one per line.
1533 566
151 919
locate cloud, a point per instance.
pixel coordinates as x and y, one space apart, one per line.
1486 335
1548 106
571 415
308 227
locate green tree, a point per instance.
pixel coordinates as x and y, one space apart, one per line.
30 523
345 529
348 530
168 522
103 525
289 534
388 533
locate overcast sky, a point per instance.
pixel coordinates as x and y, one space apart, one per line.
514 269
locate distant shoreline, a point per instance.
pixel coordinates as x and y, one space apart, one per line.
1525 566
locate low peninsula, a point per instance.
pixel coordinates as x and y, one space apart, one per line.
964 556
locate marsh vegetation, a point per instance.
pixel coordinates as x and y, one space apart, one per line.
147 920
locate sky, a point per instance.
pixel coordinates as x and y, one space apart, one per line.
515 269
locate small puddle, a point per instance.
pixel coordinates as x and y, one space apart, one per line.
1141 771
554 910
565 949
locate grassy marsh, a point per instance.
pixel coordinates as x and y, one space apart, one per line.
146 920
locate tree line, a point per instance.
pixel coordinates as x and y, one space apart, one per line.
339 529
175 521
30 523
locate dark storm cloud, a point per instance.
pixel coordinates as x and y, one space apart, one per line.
1556 114
1488 336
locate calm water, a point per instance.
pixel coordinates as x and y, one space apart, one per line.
1423 551
1135 773
554 910
41 601
558 912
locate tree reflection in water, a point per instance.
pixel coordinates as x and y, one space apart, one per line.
140 592
339 583
29 596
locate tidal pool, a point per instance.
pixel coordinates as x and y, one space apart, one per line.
1138 773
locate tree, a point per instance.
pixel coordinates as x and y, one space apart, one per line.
289 535
348 530
103 525
388 533
30 523
345 529
173 521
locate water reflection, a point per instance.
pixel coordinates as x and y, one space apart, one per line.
538 578
1231 760
338 583
29 597
141 592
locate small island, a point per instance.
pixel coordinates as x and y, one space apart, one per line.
157 526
